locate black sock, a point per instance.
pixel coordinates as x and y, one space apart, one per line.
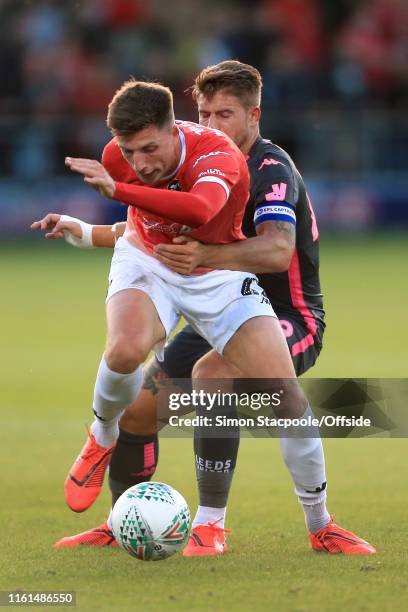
215 459
134 460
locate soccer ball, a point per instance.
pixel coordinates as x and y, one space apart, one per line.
151 521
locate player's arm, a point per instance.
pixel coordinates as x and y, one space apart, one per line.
107 235
270 251
78 233
193 208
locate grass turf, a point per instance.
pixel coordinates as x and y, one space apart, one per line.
53 332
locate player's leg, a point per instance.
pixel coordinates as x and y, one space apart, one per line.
180 355
140 314
304 355
303 456
215 461
214 486
259 349
304 347
134 460
215 455
136 453
133 328
304 350
135 456
242 326
208 535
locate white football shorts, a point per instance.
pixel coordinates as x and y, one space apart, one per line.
215 304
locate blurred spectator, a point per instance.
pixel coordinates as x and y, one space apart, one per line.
61 61
375 43
300 23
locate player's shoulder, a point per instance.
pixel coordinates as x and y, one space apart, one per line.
268 156
115 163
271 166
111 153
208 146
201 138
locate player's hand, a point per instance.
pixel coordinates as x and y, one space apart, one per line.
53 222
183 256
94 174
74 231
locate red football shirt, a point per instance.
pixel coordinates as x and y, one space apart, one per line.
209 163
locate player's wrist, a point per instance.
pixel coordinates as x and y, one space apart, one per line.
120 192
85 241
208 255
117 231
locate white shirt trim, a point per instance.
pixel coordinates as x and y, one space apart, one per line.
214 179
182 156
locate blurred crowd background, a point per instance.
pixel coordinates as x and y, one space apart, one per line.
335 93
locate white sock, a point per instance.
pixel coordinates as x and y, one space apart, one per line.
207 514
304 458
113 393
316 515
105 434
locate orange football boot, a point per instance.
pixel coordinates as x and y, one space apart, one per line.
334 539
99 536
206 539
84 481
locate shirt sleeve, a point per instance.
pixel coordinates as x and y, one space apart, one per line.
218 167
277 192
109 154
193 208
114 162
212 176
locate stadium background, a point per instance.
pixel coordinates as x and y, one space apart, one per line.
335 92
335 96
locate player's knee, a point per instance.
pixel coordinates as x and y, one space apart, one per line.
202 370
124 356
139 422
211 366
140 426
293 402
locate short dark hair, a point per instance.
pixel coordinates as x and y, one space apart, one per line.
241 80
138 104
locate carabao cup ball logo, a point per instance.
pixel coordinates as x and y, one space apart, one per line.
151 521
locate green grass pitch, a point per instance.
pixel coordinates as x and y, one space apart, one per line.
52 321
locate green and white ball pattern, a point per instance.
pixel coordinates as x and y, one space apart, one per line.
151 521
